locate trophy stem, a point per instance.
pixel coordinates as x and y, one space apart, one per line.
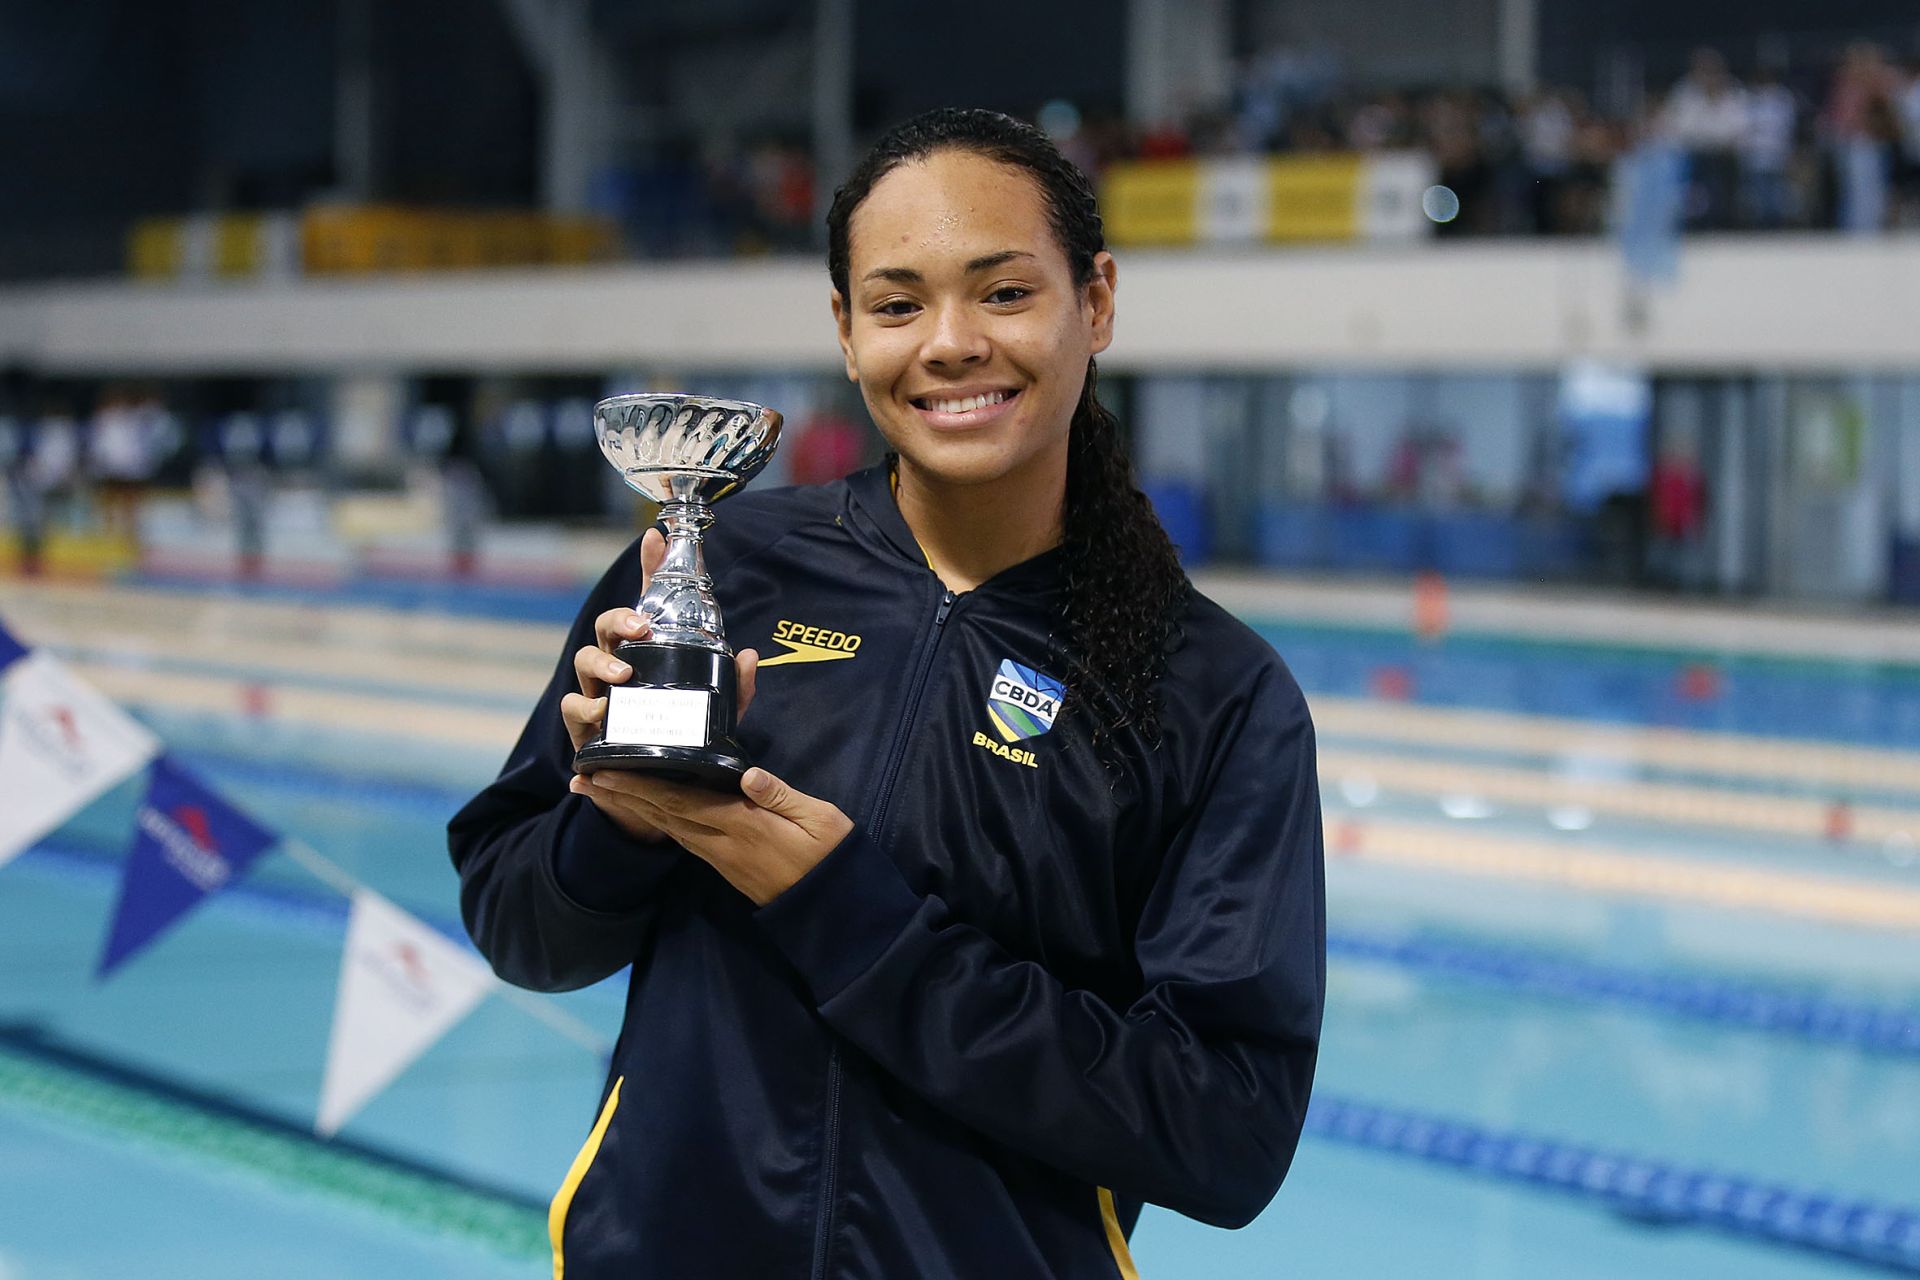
679 600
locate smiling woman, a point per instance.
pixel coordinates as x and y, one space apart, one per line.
983 272
1020 924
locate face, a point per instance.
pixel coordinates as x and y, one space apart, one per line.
963 326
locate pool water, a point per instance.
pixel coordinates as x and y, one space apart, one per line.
156 1124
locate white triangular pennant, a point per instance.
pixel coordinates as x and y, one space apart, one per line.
61 745
402 987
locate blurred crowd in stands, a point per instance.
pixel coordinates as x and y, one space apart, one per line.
1836 147
1830 146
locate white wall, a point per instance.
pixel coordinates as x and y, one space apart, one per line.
1780 303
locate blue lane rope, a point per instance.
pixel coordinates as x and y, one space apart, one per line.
1747 1006
1722 1001
1880 1235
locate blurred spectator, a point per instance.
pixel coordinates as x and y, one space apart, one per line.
827 447
1426 469
1862 126
1453 136
1907 112
728 200
53 463
780 177
243 453
1706 116
26 507
1677 514
1378 125
124 453
1274 86
1508 191
1166 140
1547 128
1766 152
1583 203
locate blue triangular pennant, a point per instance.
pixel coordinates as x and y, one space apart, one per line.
10 649
188 845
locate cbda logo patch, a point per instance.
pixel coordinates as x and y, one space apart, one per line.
1023 702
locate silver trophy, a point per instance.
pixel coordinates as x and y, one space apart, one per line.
675 713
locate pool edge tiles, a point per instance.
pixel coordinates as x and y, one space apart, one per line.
41 1075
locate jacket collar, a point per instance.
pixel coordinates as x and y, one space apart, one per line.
874 517
872 513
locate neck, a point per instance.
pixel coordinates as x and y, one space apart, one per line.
969 532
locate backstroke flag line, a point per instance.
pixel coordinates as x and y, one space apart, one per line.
188 844
61 745
402 984
402 987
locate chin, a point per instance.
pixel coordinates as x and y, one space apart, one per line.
960 462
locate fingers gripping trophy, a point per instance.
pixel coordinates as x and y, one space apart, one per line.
675 714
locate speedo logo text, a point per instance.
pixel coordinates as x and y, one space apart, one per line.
805 643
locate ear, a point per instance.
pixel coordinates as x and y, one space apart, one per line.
843 330
1098 303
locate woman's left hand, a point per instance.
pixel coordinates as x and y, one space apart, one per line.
762 838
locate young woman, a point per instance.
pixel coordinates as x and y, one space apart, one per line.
1021 922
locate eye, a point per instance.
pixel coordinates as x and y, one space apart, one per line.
894 308
1009 293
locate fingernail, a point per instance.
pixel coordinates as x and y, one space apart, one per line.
618 670
754 779
636 622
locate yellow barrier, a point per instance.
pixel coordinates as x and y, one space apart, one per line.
156 248
354 240
1152 202
73 555
1274 199
363 239
238 249
1314 198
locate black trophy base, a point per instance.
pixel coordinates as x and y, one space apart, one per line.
711 766
720 761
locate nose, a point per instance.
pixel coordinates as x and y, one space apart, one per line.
955 339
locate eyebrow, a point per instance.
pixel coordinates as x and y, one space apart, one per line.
907 275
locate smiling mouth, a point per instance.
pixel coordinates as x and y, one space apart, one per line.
962 404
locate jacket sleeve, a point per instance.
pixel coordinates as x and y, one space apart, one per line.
1192 1097
554 895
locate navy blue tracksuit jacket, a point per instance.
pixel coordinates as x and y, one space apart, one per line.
1034 989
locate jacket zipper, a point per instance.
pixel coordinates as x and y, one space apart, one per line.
829 1177
914 691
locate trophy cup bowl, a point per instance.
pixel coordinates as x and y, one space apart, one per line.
675 714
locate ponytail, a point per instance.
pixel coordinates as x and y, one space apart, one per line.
1125 590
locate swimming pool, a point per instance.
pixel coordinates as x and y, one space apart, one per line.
1586 1017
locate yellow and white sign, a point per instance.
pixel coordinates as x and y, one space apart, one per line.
1342 196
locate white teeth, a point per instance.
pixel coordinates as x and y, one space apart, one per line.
966 404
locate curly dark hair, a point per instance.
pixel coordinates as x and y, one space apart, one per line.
1125 592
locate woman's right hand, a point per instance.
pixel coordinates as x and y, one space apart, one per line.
594 666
